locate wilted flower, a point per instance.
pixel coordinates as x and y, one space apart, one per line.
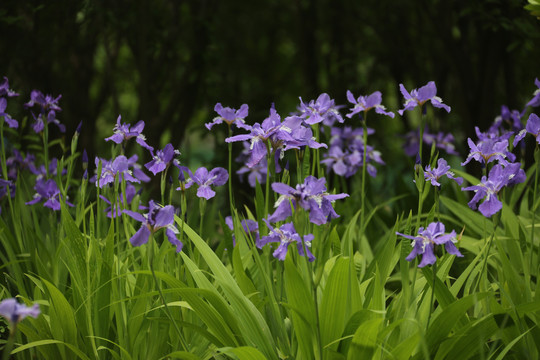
421 96
442 169
157 218
15 312
230 116
424 243
204 179
321 110
366 103
124 132
489 187
310 196
162 159
285 235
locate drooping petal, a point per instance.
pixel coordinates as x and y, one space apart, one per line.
141 236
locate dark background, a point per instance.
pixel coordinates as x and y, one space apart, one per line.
168 62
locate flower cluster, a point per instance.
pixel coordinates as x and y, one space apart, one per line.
47 106
276 136
47 191
6 92
346 153
424 243
442 141
490 186
322 110
310 196
285 235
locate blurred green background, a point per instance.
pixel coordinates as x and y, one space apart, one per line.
168 62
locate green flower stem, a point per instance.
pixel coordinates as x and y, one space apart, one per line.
419 170
231 195
363 190
432 295
6 351
156 282
45 137
537 169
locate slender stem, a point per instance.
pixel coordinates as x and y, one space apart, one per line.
6 352
231 195
364 169
156 282
432 294
45 137
537 164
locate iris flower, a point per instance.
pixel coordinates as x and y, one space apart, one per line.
157 218
419 97
424 243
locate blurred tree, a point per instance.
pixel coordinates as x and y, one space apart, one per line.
163 61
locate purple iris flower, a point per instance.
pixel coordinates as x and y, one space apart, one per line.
124 132
15 312
285 235
489 150
535 101
137 169
421 96
47 190
489 187
301 137
12 123
510 117
346 153
532 127
113 210
321 110
41 172
5 90
271 129
442 169
310 196
157 218
16 163
110 170
366 103
204 179
248 225
230 116
424 243
48 107
162 159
